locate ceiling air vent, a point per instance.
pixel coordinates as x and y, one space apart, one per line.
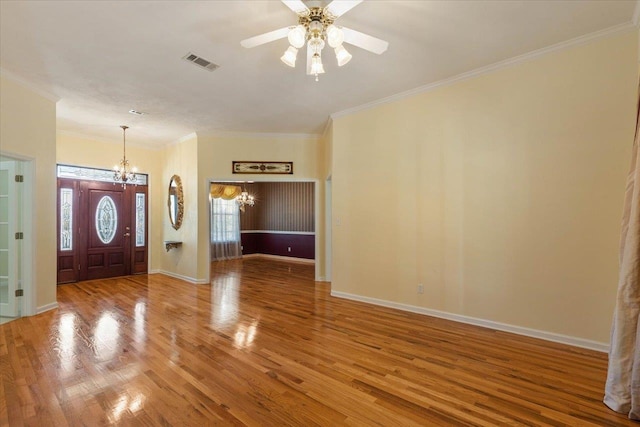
201 62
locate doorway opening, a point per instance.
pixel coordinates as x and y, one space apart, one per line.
281 224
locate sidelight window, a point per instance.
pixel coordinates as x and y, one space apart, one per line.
66 219
140 208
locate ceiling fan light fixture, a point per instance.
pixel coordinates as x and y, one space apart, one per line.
297 36
335 36
315 27
316 45
316 65
342 55
289 56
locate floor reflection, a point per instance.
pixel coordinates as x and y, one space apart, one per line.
127 404
67 342
245 334
225 294
106 336
139 319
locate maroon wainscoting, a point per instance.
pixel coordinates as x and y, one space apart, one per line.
302 245
250 243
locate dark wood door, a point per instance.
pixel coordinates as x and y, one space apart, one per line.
106 217
109 230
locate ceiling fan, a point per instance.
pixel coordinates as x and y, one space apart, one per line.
315 27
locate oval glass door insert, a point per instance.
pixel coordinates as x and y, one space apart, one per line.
106 219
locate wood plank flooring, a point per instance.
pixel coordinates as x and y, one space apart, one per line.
264 345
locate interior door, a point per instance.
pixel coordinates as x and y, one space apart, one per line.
106 217
8 242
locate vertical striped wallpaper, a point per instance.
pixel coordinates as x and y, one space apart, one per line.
249 219
280 206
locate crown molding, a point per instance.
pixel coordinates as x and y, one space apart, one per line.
328 124
28 85
74 134
181 139
259 135
607 32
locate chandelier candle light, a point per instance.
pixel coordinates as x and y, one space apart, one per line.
122 173
245 199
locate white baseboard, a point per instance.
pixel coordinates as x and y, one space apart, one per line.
182 277
534 333
46 307
281 258
156 271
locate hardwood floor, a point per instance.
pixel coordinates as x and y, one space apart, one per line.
276 349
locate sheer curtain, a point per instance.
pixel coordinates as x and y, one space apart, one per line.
225 229
622 390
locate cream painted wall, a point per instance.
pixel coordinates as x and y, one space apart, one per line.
84 151
215 154
323 159
502 194
182 159
28 130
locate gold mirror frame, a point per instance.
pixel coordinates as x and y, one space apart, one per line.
177 202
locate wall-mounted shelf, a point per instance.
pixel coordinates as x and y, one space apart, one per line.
172 244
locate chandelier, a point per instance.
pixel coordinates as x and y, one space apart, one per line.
245 199
316 28
122 172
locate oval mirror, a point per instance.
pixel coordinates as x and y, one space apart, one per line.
175 201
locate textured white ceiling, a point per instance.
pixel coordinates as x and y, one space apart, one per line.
103 58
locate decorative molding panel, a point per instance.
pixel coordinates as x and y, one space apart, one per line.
278 168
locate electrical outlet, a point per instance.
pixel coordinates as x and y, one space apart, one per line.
420 289
289 249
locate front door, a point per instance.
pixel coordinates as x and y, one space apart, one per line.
107 219
108 237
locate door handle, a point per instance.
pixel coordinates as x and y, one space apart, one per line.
127 234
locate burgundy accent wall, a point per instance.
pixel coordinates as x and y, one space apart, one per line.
302 245
251 243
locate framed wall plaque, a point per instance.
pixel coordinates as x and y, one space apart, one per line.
263 167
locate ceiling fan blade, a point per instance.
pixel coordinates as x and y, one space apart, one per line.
265 38
339 7
364 41
297 6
